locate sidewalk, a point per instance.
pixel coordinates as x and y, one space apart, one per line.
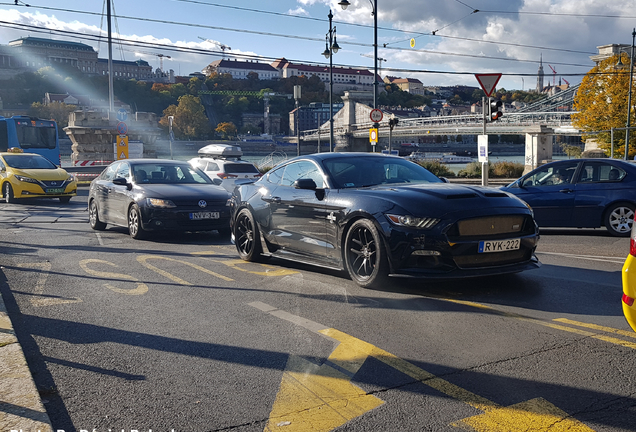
21 408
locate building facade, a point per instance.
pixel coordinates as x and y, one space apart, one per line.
242 69
29 54
311 116
344 79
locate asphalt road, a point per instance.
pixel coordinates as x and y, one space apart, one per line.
176 333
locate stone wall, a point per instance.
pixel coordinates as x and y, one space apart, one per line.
93 134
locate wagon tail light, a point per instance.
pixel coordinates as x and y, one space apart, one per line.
226 176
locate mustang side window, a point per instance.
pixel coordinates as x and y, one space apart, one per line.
295 171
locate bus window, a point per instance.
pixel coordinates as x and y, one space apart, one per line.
31 135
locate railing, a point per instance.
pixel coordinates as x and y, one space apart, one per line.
510 123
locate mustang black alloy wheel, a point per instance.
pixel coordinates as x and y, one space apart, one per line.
247 237
93 217
365 257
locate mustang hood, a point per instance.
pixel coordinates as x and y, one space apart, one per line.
437 196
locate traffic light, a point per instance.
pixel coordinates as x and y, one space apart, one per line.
393 121
494 109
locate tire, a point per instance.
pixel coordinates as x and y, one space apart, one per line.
247 237
619 219
134 223
93 217
65 200
365 256
8 193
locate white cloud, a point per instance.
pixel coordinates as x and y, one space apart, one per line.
299 11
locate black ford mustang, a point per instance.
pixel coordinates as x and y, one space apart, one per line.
378 216
156 194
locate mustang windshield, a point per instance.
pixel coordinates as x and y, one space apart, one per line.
352 172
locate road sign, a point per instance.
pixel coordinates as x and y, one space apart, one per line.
373 135
376 115
122 115
488 82
482 146
122 128
121 151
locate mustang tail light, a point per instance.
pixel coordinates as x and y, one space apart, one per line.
628 300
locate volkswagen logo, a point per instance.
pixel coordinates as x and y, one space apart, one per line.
203 204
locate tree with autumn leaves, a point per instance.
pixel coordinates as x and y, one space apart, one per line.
190 121
601 102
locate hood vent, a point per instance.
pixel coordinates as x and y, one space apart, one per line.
496 195
462 196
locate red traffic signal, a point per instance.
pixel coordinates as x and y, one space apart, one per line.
494 109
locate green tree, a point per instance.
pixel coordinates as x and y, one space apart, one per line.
57 111
601 103
190 121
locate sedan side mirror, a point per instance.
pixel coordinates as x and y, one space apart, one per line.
120 181
217 181
305 183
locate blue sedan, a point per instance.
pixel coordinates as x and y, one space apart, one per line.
581 193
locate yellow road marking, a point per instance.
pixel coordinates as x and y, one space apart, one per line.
321 398
142 288
630 334
604 338
144 258
274 272
44 269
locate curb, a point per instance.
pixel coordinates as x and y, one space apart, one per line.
21 408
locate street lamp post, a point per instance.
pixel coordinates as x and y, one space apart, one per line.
331 47
629 96
374 5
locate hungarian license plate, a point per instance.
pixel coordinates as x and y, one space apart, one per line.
55 190
486 246
204 215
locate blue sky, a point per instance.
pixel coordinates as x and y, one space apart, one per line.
471 36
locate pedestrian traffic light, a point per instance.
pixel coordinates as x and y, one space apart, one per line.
494 109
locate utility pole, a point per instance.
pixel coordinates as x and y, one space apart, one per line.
111 95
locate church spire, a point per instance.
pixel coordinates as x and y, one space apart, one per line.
540 75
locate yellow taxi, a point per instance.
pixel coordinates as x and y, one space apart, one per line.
29 175
629 282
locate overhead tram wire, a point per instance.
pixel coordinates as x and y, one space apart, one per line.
190 50
314 19
355 44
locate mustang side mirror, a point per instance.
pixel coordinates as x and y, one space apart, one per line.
305 183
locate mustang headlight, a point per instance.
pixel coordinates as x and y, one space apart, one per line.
413 222
156 202
26 179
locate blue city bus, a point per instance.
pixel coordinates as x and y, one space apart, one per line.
32 135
